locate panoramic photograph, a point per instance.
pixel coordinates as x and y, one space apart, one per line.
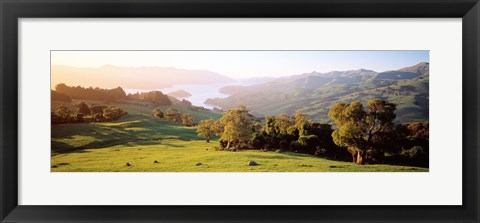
239 111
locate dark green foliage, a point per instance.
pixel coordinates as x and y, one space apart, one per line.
258 141
63 115
113 113
207 129
56 96
173 115
97 113
77 118
97 109
155 97
362 130
296 134
157 112
83 108
98 117
187 119
91 93
414 152
238 127
366 133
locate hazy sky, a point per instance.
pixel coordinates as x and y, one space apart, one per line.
246 64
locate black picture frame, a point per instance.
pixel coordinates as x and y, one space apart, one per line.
12 10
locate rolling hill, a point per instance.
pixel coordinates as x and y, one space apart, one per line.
150 144
314 93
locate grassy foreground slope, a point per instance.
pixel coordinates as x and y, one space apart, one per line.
140 139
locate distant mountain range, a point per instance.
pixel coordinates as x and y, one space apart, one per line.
147 78
314 93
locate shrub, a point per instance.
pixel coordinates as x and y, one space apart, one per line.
157 112
173 115
83 108
97 109
113 113
187 119
258 141
414 152
56 96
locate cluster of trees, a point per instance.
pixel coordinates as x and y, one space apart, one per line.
84 112
238 129
56 96
65 93
362 134
64 115
78 92
369 134
155 97
174 115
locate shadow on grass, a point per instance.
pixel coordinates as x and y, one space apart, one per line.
128 130
271 157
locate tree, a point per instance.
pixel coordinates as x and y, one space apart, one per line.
63 112
157 112
359 129
83 108
155 97
91 93
206 128
237 124
97 109
282 124
113 113
173 115
55 96
298 127
269 127
187 119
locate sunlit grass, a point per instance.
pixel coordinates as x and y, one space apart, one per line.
140 139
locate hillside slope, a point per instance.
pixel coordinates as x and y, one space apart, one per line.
314 93
149 144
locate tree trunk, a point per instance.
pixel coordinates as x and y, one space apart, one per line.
360 157
208 139
354 156
228 145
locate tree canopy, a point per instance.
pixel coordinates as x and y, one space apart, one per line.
206 128
360 129
237 125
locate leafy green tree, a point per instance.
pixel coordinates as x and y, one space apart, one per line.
218 128
238 125
83 108
187 119
359 129
173 115
55 96
113 113
206 128
157 112
97 109
282 124
269 127
63 112
298 127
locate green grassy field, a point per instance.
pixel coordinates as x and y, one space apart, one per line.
139 139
